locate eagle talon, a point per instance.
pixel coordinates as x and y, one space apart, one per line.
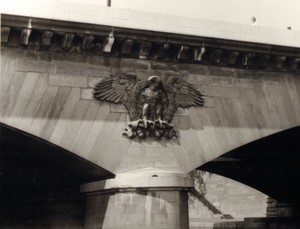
128 133
160 123
145 123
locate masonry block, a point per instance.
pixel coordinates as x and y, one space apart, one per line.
117 108
11 52
182 112
136 210
35 66
134 64
68 68
144 74
202 89
86 93
219 91
68 80
93 70
59 55
210 80
76 57
246 83
34 54
245 74
97 60
209 101
93 80
269 76
193 68
163 66
217 71
167 74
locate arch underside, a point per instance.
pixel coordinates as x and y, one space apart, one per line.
36 174
21 152
32 165
270 165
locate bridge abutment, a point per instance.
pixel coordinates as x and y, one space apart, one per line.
137 202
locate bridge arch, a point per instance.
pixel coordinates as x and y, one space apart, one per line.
270 164
21 151
41 181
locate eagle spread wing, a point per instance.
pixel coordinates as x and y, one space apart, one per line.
188 96
182 95
115 89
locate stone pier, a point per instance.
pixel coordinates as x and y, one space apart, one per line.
133 201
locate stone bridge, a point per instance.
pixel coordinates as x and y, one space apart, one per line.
48 74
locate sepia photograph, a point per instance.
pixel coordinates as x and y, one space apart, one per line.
150 114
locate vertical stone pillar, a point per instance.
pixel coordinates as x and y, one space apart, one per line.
163 204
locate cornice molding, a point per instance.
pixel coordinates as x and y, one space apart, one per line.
48 34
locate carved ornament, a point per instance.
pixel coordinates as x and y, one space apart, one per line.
150 103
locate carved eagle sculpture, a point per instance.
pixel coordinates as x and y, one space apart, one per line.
150 103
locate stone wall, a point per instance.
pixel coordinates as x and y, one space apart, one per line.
49 94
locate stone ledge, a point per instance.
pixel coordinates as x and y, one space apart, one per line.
154 179
68 80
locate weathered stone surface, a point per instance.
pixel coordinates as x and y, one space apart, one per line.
4 34
68 68
240 106
92 70
75 57
35 66
134 64
86 93
209 101
163 66
147 209
182 112
33 54
68 80
215 71
12 52
93 80
220 91
117 108
95 59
